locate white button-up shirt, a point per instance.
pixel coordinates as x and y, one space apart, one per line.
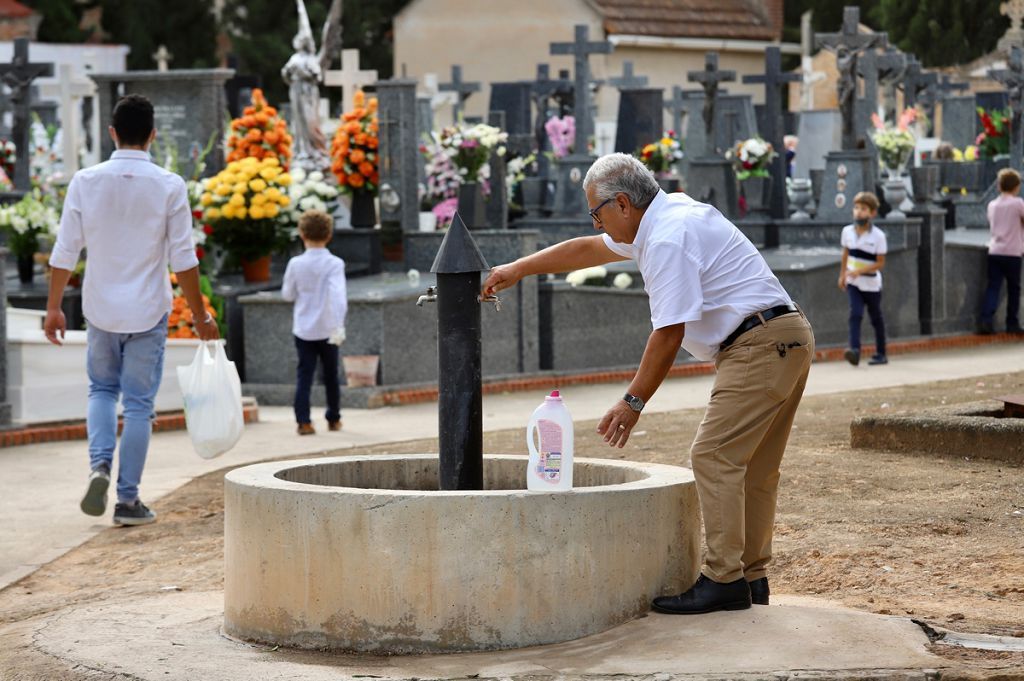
700 270
315 281
133 217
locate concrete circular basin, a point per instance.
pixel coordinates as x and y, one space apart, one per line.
364 554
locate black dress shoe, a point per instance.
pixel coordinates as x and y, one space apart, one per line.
706 595
759 591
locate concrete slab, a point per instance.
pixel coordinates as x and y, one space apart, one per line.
177 636
54 474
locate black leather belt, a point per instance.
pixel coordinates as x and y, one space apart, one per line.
755 319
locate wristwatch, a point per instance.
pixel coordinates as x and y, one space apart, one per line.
634 402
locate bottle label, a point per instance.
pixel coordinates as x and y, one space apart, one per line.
549 465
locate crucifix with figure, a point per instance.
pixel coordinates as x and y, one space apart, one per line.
18 76
774 79
709 79
581 49
461 88
350 79
849 44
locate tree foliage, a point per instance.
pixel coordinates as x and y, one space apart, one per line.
943 32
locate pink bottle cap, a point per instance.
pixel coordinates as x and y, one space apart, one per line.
554 393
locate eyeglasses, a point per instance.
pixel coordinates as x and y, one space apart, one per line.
593 213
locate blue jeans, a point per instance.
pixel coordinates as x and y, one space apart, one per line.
128 366
873 300
1002 267
309 353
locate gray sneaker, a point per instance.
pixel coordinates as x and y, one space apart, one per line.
133 514
95 500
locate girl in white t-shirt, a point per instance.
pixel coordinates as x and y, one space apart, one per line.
860 275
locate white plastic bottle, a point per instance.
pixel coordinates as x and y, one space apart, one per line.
550 467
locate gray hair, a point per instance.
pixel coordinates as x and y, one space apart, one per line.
622 174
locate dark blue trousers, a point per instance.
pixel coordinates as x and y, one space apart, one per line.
873 301
1002 267
309 353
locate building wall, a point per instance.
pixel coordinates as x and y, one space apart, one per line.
494 44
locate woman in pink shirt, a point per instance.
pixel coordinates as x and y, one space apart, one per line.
1006 222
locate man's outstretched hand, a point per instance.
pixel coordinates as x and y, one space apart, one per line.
500 278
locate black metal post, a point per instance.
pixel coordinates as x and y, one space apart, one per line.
460 412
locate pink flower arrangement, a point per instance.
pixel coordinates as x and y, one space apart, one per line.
562 133
445 211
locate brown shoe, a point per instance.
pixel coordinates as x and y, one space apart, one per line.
334 425
306 429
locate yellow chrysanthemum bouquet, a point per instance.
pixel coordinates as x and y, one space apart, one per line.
242 204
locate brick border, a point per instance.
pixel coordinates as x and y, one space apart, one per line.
75 430
400 396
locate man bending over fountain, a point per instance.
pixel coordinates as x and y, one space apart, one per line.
712 293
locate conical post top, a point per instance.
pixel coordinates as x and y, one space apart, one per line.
459 252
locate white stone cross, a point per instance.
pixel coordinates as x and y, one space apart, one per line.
1014 35
808 79
349 78
163 57
69 92
438 98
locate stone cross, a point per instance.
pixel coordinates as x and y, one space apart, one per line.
542 90
162 57
628 79
18 76
873 67
946 86
1012 79
709 79
1014 35
349 78
581 49
848 45
69 92
774 78
677 106
915 80
461 88
808 79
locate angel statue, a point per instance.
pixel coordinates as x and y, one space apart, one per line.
303 74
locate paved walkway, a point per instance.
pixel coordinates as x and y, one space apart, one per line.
50 477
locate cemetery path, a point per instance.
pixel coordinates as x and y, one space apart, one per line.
933 538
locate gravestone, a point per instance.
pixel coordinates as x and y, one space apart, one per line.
709 79
774 79
819 132
569 198
542 91
398 159
513 100
18 76
959 121
350 79
70 93
462 89
189 109
849 44
709 176
640 119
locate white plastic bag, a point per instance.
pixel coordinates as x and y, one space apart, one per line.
213 400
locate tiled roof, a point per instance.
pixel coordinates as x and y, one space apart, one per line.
731 19
12 9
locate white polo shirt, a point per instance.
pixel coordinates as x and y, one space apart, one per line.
699 269
315 281
863 250
133 217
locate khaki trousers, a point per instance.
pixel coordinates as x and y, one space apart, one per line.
739 445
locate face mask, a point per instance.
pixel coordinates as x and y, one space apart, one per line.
862 222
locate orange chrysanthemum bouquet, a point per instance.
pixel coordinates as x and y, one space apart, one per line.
354 148
260 133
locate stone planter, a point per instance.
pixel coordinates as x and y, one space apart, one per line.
895 193
532 189
924 182
801 193
364 554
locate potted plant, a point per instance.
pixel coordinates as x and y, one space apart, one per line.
242 206
751 159
661 156
32 219
354 158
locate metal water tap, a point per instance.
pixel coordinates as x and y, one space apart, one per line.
491 299
430 297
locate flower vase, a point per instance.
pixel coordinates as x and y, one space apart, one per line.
895 192
472 208
925 182
757 190
801 193
364 213
668 182
257 270
26 268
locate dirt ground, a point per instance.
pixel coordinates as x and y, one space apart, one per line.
936 538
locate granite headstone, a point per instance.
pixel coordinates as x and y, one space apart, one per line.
640 119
